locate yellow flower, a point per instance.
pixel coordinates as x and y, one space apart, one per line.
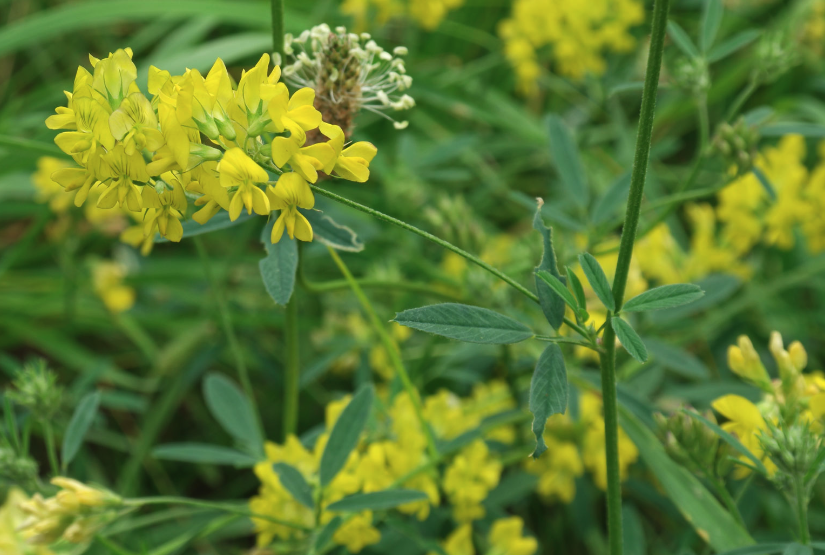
92 123
252 96
459 542
593 449
114 76
238 170
351 163
49 190
745 422
304 160
135 125
123 170
12 517
357 533
468 480
107 279
296 113
506 538
165 204
557 470
205 180
290 193
745 362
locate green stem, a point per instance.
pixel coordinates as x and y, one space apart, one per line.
567 340
48 432
112 546
742 98
292 368
225 507
278 28
392 351
631 222
728 500
438 241
228 328
801 496
704 123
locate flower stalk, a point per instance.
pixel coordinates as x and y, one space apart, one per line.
278 27
631 222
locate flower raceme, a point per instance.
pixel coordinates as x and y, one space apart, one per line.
195 146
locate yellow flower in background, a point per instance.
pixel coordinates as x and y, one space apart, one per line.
506 538
107 281
459 542
290 193
49 190
579 35
745 362
593 450
12 517
238 170
469 478
427 13
357 533
746 423
557 469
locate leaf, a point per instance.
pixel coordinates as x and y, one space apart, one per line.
325 534
711 20
731 45
328 232
81 420
559 288
665 296
812 130
595 275
692 499
566 158
377 501
761 549
578 291
681 39
678 360
279 267
765 182
798 549
729 439
219 221
758 115
203 453
231 408
551 304
630 340
634 532
293 481
463 322
345 434
608 204
548 392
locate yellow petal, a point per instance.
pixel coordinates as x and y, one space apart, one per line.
362 149
283 148
303 230
738 409
235 207
278 228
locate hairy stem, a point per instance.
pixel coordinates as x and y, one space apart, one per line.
292 368
392 351
631 222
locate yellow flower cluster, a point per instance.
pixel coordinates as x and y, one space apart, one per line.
398 449
110 129
12 542
576 446
427 13
107 280
579 34
75 514
794 396
505 538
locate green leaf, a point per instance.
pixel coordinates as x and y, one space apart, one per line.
634 532
665 296
595 275
559 288
376 501
711 20
203 453
345 434
279 267
811 130
765 182
566 159
798 549
219 221
693 500
328 232
231 408
731 45
551 304
578 291
463 322
293 481
681 39
729 439
81 420
608 204
325 534
761 549
548 392
678 360
630 340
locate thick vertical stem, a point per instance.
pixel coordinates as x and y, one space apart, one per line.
801 495
292 367
278 28
631 222
48 433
